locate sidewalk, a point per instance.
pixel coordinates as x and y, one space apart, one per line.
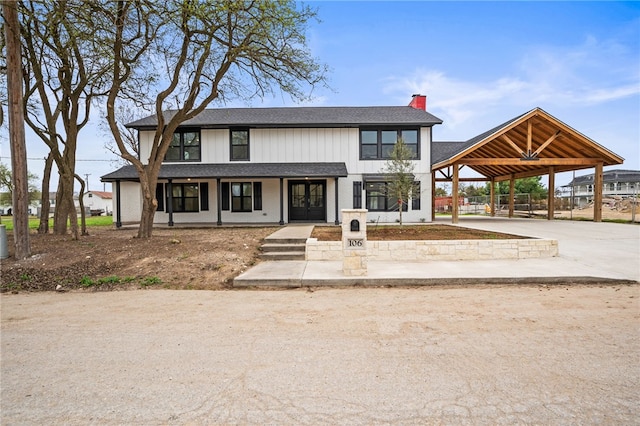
589 252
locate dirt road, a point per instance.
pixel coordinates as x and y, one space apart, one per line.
488 355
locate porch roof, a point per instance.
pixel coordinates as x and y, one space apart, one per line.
234 170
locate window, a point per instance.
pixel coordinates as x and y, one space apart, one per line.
241 197
239 145
185 146
415 196
185 197
379 200
377 144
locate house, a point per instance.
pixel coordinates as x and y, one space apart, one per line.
305 164
282 165
616 184
99 203
6 206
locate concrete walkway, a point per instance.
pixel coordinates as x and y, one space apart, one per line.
589 252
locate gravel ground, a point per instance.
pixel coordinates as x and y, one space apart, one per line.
445 355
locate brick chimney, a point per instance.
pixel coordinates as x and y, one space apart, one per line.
419 102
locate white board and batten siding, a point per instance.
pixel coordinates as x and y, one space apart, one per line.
295 145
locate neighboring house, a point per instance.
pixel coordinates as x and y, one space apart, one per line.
99 203
287 165
623 184
281 165
7 209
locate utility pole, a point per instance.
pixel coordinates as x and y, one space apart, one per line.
16 131
86 179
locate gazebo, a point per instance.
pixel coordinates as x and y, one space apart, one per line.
532 144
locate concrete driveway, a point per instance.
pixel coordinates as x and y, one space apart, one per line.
588 252
433 355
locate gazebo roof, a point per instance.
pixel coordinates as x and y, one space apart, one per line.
527 145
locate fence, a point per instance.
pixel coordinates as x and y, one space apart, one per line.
533 205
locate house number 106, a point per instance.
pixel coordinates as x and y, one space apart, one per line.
355 243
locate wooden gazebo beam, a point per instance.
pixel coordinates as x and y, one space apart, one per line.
536 162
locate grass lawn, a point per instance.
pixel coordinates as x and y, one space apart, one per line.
7 221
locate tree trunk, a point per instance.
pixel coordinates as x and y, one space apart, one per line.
149 205
65 207
43 227
83 214
20 197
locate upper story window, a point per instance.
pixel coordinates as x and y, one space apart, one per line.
239 144
377 144
185 146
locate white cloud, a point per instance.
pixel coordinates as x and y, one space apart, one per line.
592 73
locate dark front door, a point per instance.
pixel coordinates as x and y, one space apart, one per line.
307 200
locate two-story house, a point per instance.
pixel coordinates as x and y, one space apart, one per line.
287 165
624 184
282 165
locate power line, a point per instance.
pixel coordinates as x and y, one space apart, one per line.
77 159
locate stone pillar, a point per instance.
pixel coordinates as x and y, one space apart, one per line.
354 242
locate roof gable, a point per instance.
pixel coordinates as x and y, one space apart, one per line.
528 145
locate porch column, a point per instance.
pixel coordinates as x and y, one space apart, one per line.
281 201
219 202
337 222
118 206
492 197
433 196
454 195
551 196
170 201
597 196
512 194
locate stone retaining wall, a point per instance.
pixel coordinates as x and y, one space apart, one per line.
417 251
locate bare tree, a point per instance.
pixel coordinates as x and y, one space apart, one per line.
209 49
64 69
16 132
401 183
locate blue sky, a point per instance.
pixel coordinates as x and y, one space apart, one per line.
482 63
479 63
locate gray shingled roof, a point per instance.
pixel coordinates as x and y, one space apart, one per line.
235 170
610 176
441 151
301 117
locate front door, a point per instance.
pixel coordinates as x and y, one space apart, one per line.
307 200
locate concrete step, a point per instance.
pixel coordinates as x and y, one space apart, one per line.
283 255
292 240
271 247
